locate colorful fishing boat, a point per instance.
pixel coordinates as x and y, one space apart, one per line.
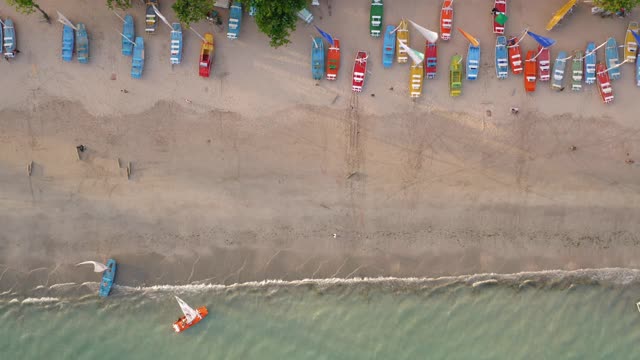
604 83
176 44
559 67
530 68
128 32
375 17
206 55
235 20
544 64
108 278
430 60
82 44
630 44
151 18
502 58
515 55
359 71
576 70
499 16
137 62
455 76
590 64
317 58
638 71
473 56
446 19
567 8
191 316
9 43
68 42
402 37
612 56
333 60
389 46
416 78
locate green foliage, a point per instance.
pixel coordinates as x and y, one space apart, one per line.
191 11
27 7
120 4
276 18
616 5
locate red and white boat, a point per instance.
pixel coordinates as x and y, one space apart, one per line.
359 71
544 64
430 60
333 60
501 6
446 19
515 55
190 317
604 83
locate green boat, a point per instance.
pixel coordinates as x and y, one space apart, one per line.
576 71
375 25
455 76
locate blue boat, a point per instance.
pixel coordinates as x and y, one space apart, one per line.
108 277
388 46
128 30
590 64
176 43
612 56
473 62
67 43
638 71
235 20
9 39
559 67
82 44
502 57
137 63
317 58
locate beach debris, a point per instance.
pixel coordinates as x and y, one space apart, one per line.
630 161
515 110
373 95
80 149
124 91
30 168
573 148
488 113
335 236
129 170
188 101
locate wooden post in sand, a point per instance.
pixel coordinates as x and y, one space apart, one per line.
78 153
30 168
129 170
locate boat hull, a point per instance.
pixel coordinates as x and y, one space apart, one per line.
455 76
567 8
501 6
544 64
502 58
175 49
128 30
235 20
530 69
82 44
375 18
612 57
388 46
430 60
590 64
206 56
416 78
630 45
402 36
151 18
317 58
9 43
68 43
604 83
577 72
137 63
359 71
108 278
333 60
181 325
515 56
473 62
559 67
446 19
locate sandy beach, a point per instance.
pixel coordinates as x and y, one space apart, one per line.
257 173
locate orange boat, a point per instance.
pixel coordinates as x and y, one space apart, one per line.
515 56
190 317
333 60
446 20
530 69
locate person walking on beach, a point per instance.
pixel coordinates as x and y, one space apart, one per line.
494 11
81 148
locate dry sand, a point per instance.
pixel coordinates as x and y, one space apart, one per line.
253 177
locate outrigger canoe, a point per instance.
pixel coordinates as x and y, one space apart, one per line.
375 18
604 83
515 55
359 71
108 278
430 60
544 64
501 6
82 44
389 46
191 316
559 67
590 64
576 71
446 19
137 62
9 39
176 44
502 58
415 80
68 42
611 54
206 55
402 37
317 58
128 31
333 60
473 62
630 45
151 18
567 8
530 68
235 20
455 76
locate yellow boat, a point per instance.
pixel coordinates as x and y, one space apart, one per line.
630 45
402 36
560 14
415 80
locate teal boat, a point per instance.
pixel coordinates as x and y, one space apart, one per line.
388 46
612 56
502 57
9 39
317 58
108 278
67 43
235 20
137 63
590 64
82 44
559 67
128 30
473 62
176 44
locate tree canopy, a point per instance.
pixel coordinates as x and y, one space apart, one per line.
616 5
28 7
120 4
277 18
191 11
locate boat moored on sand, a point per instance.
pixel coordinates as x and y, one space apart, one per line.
430 60
544 63
630 44
455 76
576 70
333 60
359 71
473 56
9 39
108 278
235 20
498 24
128 30
388 46
375 18
151 18
137 62
530 68
68 43
402 37
191 316
590 64
502 58
82 44
446 19
515 55
416 79
604 83
206 55
317 58
176 44
559 67
612 59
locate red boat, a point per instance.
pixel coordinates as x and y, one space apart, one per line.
190 317
530 68
604 83
446 19
501 6
544 64
333 60
515 57
359 71
206 53
430 60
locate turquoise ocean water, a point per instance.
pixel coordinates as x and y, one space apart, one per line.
589 314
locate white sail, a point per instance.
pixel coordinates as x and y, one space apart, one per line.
62 19
431 36
164 19
415 55
97 267
188 312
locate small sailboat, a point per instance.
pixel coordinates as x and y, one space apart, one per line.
359 71
473 56
190 317
9 39
630 44
576 70
68 42
137 62
235 20
530 68
176 44
151 18
446 19
402 37
515 55
206 55
416 72
430 60
544 63
82 44
375 18
388 46
612 57
499 17
502 58
317 58
604 83
333 60
455 76
128 30
590 64
108 274
559 67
